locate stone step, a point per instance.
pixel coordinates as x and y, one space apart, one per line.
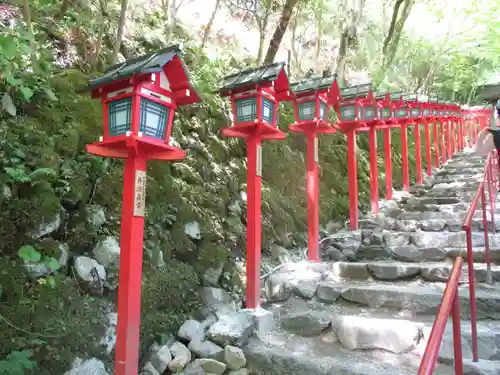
365 328
420 298
284 353
370 240
397 271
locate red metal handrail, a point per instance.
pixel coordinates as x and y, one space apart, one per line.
449 304
451 301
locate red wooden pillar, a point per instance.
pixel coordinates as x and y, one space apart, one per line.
254 159
428 155
312 196
436 144
448 138
418 153
352 178
130 276
452 140
388 163
442 137
404 157
373 169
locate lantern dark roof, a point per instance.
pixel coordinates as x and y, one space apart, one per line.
396 95
410 97
490 90
250 77
150 63
312 84
355 91
380 96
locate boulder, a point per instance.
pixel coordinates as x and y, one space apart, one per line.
107 252
212 366
149 369
90 272
396 336
233 329
234 358
205 349
190 330
92 366
161 359
393 271
182 356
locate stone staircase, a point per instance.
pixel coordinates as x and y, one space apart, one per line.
369 306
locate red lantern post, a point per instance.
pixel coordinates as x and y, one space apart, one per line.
311 118
427 118
255 95
401 113
442 131
139 98
416 117
349 107
434 109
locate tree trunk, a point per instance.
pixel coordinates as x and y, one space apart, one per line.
29 26
206 33
119 34
262 39
279 32
100 36
63 9
295 55
390 33
392 47
165 5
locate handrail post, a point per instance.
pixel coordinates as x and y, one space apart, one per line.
457 336
486 238
472 294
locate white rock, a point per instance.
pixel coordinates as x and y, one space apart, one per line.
234 358
241 371
107 252
212 366
393 335
190 330
182 356
149 369
109 338
193 230
84 267
92 366
161 359
47 227
96 216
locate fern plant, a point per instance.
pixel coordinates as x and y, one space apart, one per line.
17 363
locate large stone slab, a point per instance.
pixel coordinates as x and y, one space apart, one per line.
396 336
287 354
415 254
393 270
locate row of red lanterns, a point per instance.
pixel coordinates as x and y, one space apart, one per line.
139 98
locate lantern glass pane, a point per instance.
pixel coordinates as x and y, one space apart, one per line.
154 118
415 112
348 113
400 113
307 110
246 109
267 111
323 111
120 116
427 112
435 112
370 113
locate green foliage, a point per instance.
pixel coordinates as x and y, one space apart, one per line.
17 363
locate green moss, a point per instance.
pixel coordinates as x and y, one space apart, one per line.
169 296
59 323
